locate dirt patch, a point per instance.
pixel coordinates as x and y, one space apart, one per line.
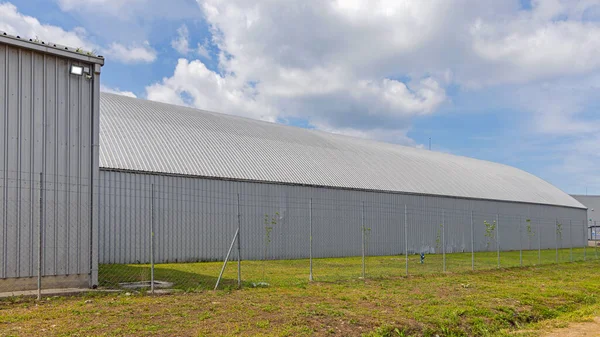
577 329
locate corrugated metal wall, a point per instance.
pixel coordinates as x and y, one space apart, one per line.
195 219
592 202
46 127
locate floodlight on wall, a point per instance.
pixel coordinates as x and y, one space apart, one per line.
76 70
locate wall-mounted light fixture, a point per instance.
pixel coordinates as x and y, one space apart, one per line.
76 70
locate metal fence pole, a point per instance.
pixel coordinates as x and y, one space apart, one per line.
239 245
571 241
539 243
556 241
595 242
444 239
585 241
521 241
472 244
406 236
362 221
152 241
40 239
498 238
310 256
235 237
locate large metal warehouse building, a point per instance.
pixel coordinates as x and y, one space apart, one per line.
198 163
178 183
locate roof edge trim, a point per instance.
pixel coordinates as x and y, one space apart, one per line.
50 48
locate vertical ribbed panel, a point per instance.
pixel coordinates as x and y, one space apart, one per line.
45 128
196 218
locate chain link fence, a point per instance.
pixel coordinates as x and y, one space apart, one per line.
155 237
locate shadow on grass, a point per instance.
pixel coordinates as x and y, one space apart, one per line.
111 275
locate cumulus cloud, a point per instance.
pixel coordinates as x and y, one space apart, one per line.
15 23
342 68
203 49
338 72
132 53
194 84
181 42
526 52
113 7
117 91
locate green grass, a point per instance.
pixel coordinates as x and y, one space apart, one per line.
505 302
282 273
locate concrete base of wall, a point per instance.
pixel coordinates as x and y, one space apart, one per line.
48 282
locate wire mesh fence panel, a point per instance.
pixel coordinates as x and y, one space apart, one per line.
529 238
508 237
338 228
426 237
457 226
384 236
275 240
176 233
484 227
564 241
592 242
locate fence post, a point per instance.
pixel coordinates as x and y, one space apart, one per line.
498 238
152 240
444 238
570 241
585 240
556 240
40 239
472 244
520 241
310 276
362 221
239 245
539 243
595 242
406 236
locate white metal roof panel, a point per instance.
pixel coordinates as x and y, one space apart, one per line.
149 136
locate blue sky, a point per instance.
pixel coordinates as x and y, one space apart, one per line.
513 82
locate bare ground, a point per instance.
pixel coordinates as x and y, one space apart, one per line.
581 329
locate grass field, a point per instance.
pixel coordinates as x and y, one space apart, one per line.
506 302
283 273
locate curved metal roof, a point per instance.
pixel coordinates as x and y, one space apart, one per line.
149 136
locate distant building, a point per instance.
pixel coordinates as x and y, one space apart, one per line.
592 202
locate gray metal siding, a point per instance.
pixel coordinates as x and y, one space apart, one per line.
592 202
196 218
46 128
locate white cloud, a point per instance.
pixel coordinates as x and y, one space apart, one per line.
208 90
202 50
15 23
131 54
117 91
526 51
181 42
113 7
